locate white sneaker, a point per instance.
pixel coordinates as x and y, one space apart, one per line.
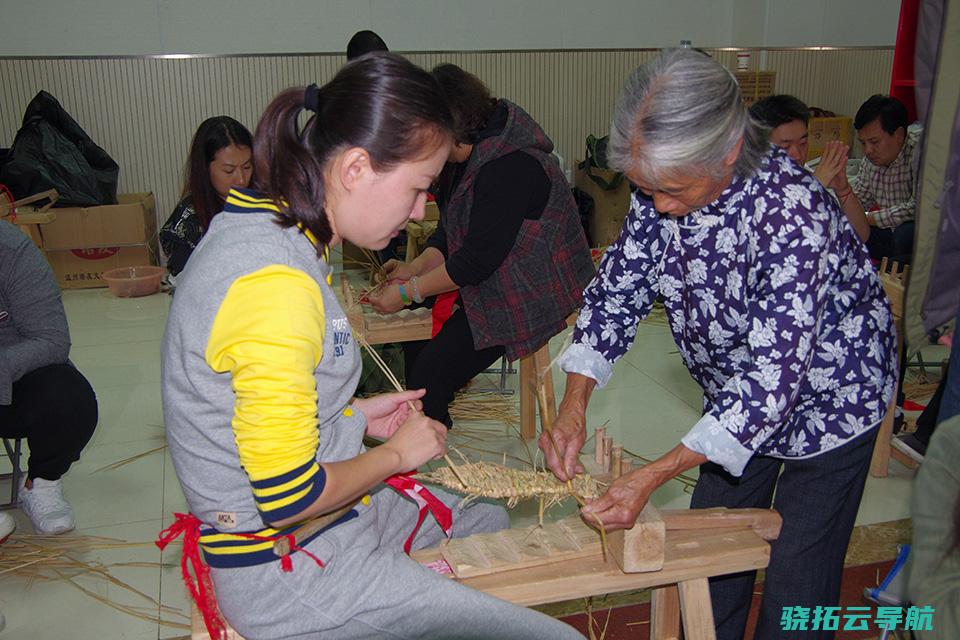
7 525
46 507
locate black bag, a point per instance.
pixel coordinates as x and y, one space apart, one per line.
596 157
52 151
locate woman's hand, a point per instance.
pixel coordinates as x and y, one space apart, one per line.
619 507
418 440
832 170
386 298
387 411
398 271
569 432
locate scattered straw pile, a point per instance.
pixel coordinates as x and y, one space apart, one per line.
35 558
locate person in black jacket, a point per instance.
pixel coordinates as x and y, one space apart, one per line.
221 158
510 246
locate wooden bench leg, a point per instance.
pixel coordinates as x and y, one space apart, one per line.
697 610
665 613
532 366
528 398
880 460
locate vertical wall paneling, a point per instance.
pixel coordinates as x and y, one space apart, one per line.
143 111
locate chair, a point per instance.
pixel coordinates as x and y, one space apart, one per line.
13 452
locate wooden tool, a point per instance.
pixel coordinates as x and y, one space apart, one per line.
281 547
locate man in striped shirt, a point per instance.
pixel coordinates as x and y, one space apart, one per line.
885 185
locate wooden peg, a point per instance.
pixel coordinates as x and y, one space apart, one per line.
616 461
598 437
626 466
607 452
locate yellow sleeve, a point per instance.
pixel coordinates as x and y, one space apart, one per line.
268 335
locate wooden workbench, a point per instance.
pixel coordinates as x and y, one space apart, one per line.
680 590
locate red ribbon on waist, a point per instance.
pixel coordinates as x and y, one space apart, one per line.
188 525
406 485
202 592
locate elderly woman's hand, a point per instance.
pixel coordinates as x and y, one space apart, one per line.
624 500
386 299
561 446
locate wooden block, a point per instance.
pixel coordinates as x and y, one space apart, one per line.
665 613
607 453
766 523
598 438
640 548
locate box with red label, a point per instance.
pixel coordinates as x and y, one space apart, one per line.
83 242
83 268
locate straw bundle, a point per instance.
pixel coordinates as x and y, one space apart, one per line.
489 480
474 406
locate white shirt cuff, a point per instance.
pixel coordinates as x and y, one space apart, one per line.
582 359
710 439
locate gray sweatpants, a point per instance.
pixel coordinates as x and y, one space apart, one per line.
369 588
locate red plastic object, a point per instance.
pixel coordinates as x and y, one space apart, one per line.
903 81
132 282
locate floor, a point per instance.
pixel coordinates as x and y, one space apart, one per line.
647 407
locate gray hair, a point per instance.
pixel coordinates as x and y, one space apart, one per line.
682 114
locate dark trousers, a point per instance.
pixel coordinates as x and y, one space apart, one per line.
446 364
818 500
896 243
950 406
55 409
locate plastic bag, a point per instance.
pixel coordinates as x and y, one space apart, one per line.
596 157
52 151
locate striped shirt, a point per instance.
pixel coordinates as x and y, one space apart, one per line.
890 189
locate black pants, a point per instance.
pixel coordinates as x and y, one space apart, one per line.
818 500
896 243
446 364
55 409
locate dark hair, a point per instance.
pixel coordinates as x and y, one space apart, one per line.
364 42
470 101
774 111
212 135
381 102
891 112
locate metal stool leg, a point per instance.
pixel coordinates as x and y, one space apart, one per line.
13 452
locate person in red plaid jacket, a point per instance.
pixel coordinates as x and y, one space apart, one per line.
509 243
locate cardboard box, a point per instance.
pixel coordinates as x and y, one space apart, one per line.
83 268
820 131
132 221
756 85
610 207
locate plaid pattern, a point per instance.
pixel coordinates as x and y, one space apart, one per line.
890 189
527 299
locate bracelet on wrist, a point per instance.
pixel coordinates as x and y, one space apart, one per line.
403 296
415 290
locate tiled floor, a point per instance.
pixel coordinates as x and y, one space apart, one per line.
648 405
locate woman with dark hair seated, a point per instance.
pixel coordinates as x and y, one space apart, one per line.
509 243
221 158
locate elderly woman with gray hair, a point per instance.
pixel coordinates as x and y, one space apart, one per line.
777 314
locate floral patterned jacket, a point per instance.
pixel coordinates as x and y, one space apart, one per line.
774 304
